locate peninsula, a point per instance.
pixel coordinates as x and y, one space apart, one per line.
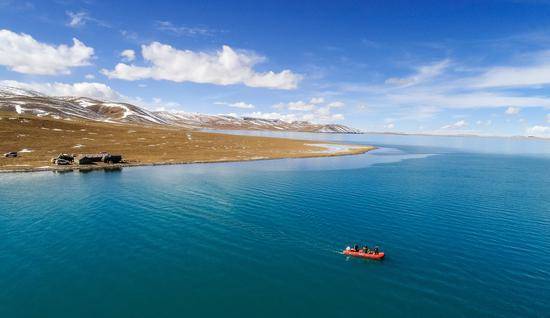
38 139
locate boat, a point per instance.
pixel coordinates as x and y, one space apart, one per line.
370 255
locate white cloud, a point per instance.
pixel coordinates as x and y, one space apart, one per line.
308 106
79 19
423 73
23 54
89 76
129 35
225 67
484 123
538 131
317 100
311 117
323 115
512 110
284 117
83 89
128 55
300 106
319 116
532 75
76 19
433 97
548 118
160 104
313 111
389 126
336 104
457 125
236 105
452 90
296 106
183 30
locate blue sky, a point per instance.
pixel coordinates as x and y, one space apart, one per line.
453 67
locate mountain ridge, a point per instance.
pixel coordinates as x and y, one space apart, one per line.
23 101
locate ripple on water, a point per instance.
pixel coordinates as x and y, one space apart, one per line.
462 240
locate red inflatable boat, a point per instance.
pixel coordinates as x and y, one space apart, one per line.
362 254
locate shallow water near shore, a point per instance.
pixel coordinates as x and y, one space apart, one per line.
465 224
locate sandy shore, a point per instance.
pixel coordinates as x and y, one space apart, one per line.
39 139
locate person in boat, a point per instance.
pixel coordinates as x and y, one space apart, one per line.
365 249
356 247
376 250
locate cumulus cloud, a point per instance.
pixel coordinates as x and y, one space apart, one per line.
389 126
23 54
224 67
316 110
512 110
242 105
128 55
314 117
457 125
84 89
538 131
274 115
89 76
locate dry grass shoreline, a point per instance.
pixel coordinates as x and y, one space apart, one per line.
141 145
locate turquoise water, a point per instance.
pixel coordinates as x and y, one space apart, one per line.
466 231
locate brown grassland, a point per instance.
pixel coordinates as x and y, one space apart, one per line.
45 138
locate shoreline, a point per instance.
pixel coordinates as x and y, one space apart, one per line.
37 140
349 150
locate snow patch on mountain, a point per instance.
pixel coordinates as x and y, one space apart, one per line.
74 107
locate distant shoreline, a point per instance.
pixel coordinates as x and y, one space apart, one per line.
455 135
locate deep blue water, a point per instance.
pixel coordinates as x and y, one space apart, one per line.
465 225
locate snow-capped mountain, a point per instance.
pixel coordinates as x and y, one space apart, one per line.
24 101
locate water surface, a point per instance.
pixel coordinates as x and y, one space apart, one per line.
466 232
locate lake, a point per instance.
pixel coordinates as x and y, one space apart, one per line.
464 222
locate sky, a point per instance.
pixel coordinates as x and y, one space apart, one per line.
441 67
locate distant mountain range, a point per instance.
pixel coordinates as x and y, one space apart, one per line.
70 107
